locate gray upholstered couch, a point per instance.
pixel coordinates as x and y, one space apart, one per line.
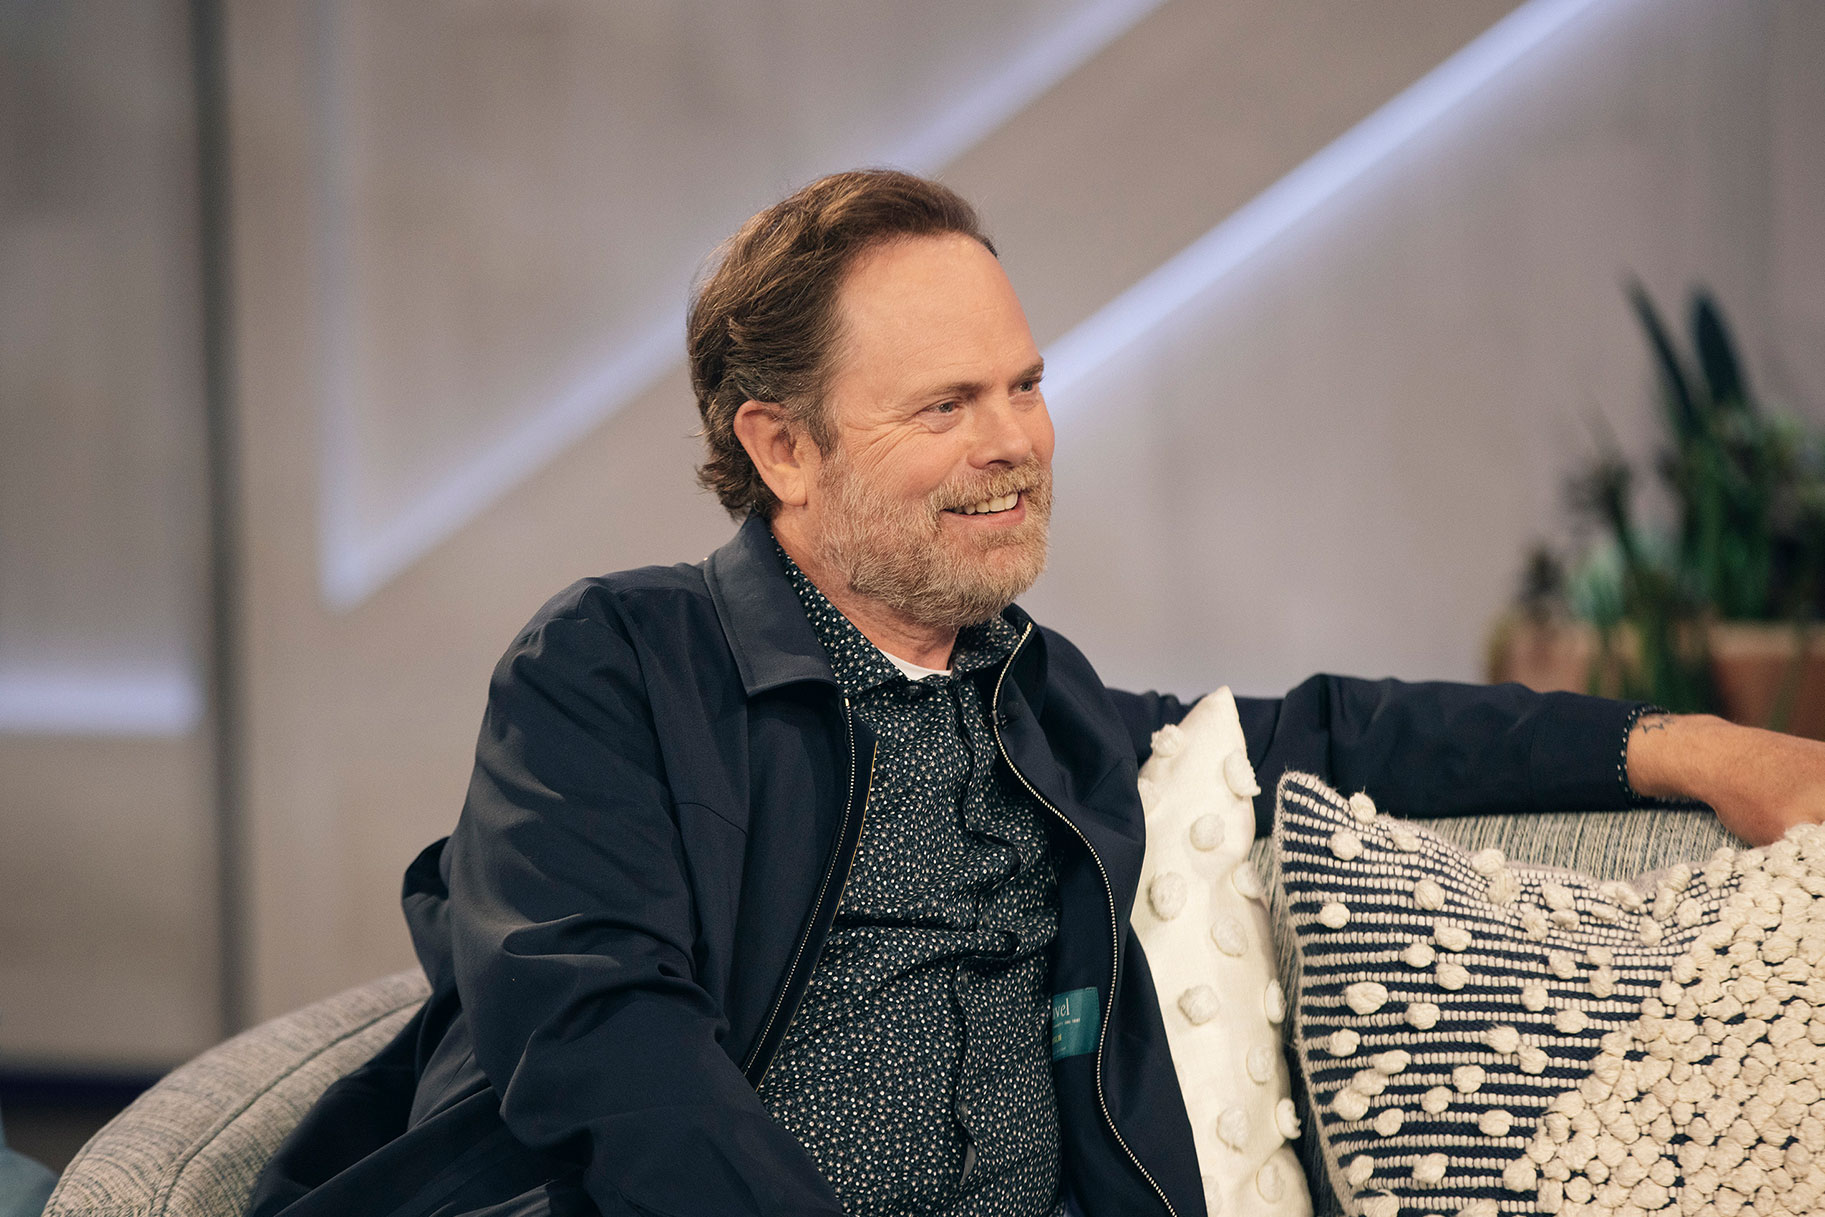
192 1145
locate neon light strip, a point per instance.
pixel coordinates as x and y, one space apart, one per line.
354 561
63 703
1135 313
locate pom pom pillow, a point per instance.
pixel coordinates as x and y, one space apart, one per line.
1480 1037
1202 920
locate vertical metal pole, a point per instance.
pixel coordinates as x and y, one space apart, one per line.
210 74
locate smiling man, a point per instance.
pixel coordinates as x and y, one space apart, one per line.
920 502
773 866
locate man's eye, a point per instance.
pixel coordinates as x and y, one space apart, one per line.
945 407
1028 386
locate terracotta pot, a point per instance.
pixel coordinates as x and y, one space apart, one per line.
1749 662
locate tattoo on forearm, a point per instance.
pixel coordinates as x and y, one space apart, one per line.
1654 722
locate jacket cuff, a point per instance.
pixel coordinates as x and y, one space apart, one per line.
1580 754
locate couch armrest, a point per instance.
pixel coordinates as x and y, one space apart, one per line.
195 1143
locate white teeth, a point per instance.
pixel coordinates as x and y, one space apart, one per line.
989 506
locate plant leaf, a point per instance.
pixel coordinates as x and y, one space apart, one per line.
1717 352
1684 415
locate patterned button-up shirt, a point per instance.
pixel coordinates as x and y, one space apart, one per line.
917 1069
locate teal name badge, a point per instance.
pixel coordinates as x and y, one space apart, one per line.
1075 1016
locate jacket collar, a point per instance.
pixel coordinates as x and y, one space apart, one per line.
762 617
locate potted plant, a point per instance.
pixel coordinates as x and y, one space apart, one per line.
1716 613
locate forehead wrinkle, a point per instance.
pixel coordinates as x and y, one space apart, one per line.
976 386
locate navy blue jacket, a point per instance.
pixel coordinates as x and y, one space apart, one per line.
668 790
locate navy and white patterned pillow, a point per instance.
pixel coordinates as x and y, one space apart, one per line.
1480 1037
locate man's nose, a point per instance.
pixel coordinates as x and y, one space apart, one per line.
1006 433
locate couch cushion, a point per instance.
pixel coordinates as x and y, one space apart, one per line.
196 1141
1479 1035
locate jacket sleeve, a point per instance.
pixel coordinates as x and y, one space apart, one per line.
1434 748
572 935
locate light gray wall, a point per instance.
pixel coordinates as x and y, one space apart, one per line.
1792 355
99 368
108 952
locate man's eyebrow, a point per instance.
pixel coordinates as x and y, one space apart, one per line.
969 388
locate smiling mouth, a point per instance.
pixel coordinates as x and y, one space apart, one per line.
988 507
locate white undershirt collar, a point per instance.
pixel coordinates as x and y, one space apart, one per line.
914 671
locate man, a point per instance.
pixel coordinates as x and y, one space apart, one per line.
771 865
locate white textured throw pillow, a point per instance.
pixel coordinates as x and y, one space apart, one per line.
1202 919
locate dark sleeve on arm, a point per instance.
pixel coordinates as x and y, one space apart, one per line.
1442 749
572 927
1144 713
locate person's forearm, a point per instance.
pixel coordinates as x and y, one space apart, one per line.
1759 782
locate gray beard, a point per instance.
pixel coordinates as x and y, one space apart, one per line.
896 555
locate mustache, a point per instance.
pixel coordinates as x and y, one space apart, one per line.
1022 479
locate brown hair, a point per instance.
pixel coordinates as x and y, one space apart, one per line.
763 324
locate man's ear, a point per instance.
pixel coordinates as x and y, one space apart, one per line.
777 449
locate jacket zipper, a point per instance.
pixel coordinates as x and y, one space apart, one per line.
1115 943
839 859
